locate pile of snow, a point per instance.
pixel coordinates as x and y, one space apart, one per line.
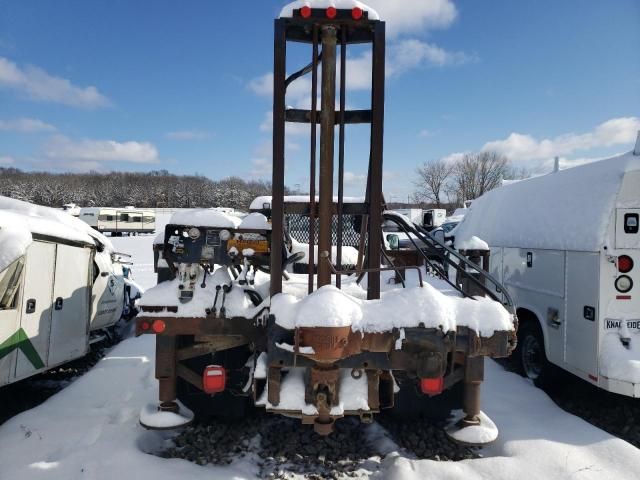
255 221
568 210
205 217
618 362
398 308
15 238
41 220
287 11
260 202
473 243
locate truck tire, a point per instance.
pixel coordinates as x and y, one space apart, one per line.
531 357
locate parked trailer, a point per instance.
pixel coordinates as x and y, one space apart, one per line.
61 286
567 247
234 326
117 221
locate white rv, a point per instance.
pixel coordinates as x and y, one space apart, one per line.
117 221
429 219
60 282
567 247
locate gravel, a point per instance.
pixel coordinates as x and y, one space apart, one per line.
284 447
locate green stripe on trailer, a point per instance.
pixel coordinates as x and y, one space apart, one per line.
20 341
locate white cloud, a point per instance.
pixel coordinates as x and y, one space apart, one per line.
188 135
39 85
411 16
261 168
352 179
25 125
425 133
524 148
63 148
6 160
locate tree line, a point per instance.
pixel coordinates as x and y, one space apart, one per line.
449 183
156 189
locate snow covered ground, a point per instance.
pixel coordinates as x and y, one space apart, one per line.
90 429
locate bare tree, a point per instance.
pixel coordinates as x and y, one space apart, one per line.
432 181
477 173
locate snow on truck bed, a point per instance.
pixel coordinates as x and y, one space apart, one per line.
90 430
568 210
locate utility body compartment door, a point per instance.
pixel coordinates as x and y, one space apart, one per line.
36 310
583 292
71 304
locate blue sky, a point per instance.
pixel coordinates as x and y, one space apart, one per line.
184 86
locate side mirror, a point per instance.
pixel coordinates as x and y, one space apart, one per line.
394 242
439 235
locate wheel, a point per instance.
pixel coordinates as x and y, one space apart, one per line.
531 356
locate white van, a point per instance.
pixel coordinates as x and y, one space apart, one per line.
59 284
567 247
119 220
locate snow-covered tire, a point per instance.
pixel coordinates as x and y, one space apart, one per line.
530 355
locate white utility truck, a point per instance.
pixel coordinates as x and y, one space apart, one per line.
61 286
117 221
428 219
567 247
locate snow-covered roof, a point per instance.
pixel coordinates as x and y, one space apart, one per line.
287 11
258 203
205 217
36 219
567 210
255 221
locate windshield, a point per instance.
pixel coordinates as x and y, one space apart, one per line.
9 282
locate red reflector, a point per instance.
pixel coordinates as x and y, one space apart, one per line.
214 379
332 12
625 264
145 326
432 386
593 377
623 297
305 12
158 326
357 13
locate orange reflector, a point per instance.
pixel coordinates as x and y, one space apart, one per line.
432 386
332 12
357 13
305 12
214 379
158 326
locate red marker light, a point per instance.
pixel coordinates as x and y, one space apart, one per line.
144 326
305 12
332 12
625 264
158 326
357 13
432 386
214 379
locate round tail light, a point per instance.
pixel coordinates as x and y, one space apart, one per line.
625 264
305 12
158 326
145 326
332 12
624 284
357 13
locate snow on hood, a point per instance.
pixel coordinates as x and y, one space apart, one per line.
259 203
399 308
255 221
15 238
204 217
568 210
49 221
287 11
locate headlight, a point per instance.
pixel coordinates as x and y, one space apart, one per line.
225 235
194 233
